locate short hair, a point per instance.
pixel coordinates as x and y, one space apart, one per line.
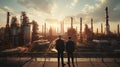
69 37
59 36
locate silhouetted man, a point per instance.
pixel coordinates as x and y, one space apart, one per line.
60 48
70 47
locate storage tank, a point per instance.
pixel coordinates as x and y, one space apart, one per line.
15 30
27 33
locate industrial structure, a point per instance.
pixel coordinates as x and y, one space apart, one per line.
91 24
26 32
107 32
15 32
18 34
62 27
101 28
7 32
118 31
71 32
81 37
88 34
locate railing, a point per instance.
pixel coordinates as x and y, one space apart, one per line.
53 54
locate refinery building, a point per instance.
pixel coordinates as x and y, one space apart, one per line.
18 34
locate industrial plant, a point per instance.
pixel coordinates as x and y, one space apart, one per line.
25 37
19 34
24 33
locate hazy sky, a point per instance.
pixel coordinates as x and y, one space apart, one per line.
53 11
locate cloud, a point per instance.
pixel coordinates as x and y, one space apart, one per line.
97 11
5 9
40 5
112 5
74 2
87 8
3 13
101 1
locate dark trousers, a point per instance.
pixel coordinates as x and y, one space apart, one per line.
70 55
60 55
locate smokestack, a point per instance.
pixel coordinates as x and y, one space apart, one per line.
107 16
45 29
71 22
107 21
101 28
7 31
76 28
97 31
80 29
62 27
42 29
8 15
80 25
118 29
91 24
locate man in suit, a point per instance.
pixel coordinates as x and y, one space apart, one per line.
60 46
70 48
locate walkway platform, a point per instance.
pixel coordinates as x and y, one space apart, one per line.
79 64
52 62
82 59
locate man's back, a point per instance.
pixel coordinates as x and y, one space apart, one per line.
60 45
70 46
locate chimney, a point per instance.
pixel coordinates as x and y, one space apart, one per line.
62 27
76 28
107 22
71 22
45 29
91 24
8 15
107 16
101 28
118 29
80 29
97 31
80 26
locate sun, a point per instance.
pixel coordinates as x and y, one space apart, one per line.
55 25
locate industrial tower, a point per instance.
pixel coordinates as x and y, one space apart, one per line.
118 29
71 22
91 25
101 28
81 39
107 22
7 32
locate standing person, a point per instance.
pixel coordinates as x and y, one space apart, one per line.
60 46
70 47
